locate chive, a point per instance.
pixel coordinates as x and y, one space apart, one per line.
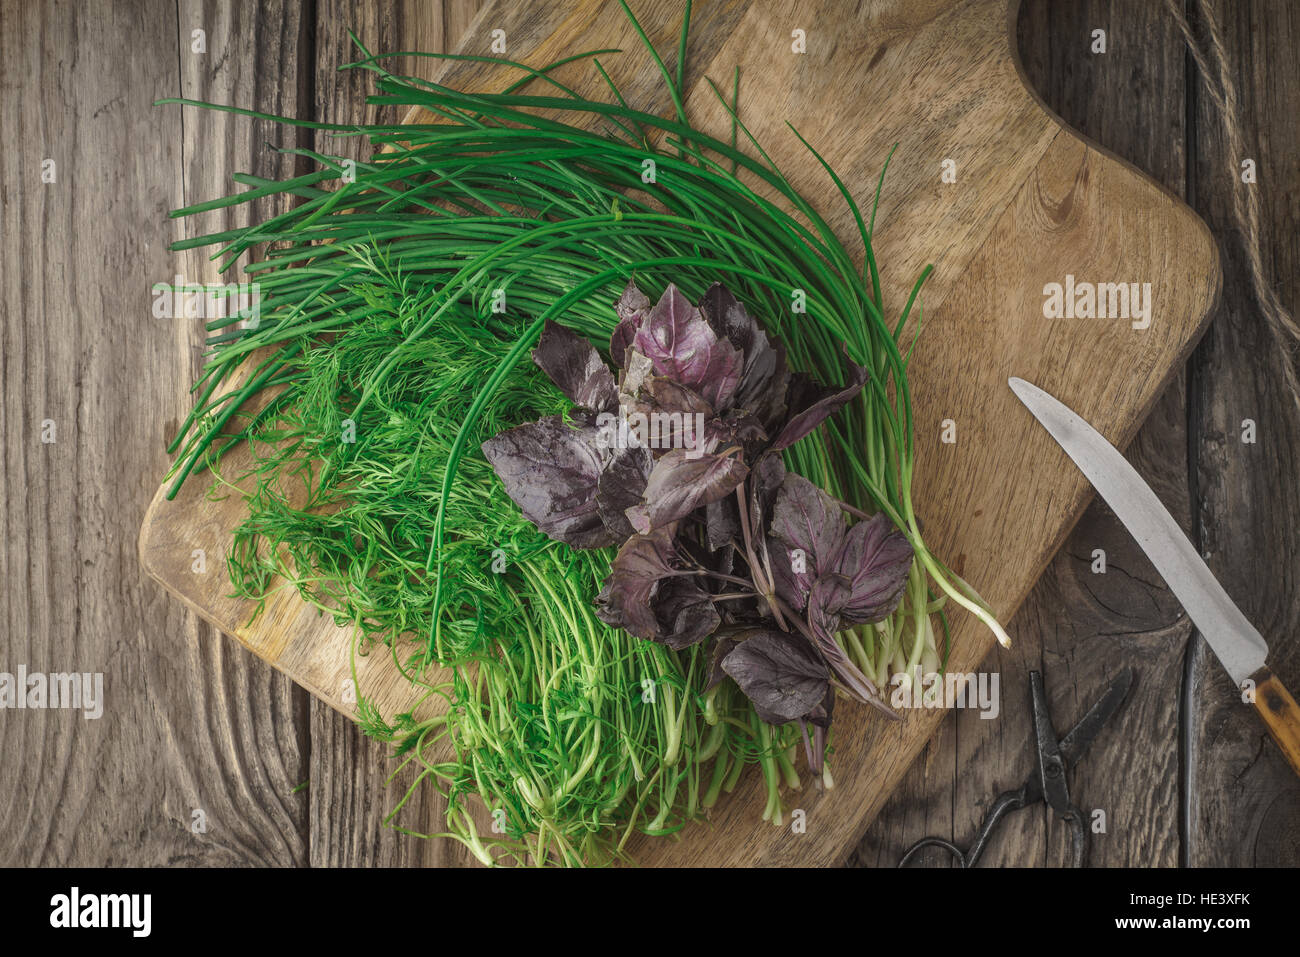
380 365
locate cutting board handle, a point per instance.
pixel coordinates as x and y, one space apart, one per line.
1280 712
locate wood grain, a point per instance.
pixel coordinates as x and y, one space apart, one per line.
1080 627
1243 805
1038 203
190 721
76 338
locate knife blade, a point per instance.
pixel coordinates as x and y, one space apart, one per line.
1235 642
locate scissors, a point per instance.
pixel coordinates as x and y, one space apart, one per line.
1047 782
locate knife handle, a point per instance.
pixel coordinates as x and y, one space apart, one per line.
1280 713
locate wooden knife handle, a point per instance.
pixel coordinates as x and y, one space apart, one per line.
1280 712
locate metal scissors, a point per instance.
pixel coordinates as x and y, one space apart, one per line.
1047 782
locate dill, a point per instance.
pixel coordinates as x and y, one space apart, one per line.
397 306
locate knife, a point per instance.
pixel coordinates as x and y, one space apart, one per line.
1233 639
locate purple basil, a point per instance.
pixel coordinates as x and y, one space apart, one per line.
631 308
675 456
640 565
685 612
682 481
765 377
875 559
808 529
814 405
683 347
780 674
552 470
573 364
621 486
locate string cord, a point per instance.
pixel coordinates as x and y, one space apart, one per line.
1221 88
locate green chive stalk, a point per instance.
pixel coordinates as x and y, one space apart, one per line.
399 305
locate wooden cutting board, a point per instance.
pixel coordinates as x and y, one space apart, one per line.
1033 203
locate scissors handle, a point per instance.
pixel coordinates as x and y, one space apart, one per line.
943 842
1004 802
1078 836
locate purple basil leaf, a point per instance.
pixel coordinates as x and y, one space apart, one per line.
676 337
722 523
637 373
779 673
875 559
807 532
827 597
829 594
765 480
804 390
640 565
621 340
822 714
631 309
718 382
551 471
573 364
810 408
766 395
681 482
764 376
671 396
722 646
665 415
581 418
633 304
733 427
685 613
683 347
620 487
724 562
728 318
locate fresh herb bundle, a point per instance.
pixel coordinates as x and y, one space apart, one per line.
380 322
679 461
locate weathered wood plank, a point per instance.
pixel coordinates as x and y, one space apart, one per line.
63 541
189 721
1244 803
457 19
1079 627
252 59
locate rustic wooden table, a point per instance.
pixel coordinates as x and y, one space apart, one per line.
195 724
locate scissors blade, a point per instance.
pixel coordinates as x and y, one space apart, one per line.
1074 744
1051 769
1239 647
1077 740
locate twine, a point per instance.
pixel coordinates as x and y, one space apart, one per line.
1222 91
